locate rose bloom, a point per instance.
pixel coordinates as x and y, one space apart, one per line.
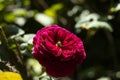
58 50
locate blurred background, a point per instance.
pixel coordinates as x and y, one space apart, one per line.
96 22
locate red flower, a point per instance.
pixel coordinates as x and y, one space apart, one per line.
58 50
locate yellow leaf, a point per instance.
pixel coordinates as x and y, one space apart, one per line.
52 11
56 7
10 76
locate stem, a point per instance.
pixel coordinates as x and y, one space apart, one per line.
89 34
20 57
112 48
3 37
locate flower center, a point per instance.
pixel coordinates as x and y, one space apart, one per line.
59 44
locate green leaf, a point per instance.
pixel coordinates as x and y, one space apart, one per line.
1 7
13 30
10 17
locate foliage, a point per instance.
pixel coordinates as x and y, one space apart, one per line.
96 22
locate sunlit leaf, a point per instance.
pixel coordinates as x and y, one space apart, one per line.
104 78
91 21
44 19
34 66
118 74
87 17
28 38
20 12
20 21
74 10
0 42
100 24
117 7
31 13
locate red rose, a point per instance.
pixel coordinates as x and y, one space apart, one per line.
58 50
